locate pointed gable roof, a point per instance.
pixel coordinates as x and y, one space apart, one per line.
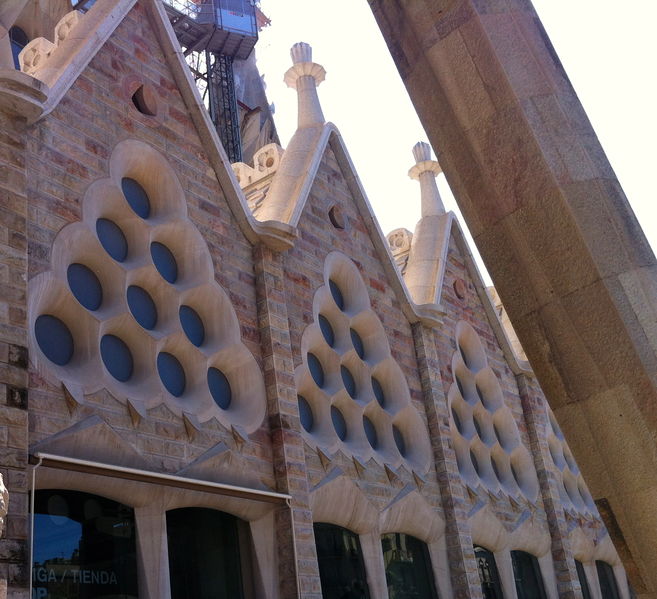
51 67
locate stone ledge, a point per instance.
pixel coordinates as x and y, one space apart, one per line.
22 95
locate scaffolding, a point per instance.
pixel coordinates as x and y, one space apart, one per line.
212 33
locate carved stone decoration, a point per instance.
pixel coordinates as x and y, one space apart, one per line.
574 493
490 454
353 394
265 164
35 55
132 298
399 242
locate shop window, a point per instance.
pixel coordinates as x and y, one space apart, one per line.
583 582
408 567
205 554
84 547
19 40
608 586
341 568
488 574
527 573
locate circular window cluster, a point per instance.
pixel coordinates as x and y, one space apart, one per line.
575 496
131 303
353 395
488 448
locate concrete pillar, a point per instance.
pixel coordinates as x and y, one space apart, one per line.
566 254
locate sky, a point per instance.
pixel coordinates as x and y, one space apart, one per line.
610 55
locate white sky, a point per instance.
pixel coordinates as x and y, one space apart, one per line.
609 51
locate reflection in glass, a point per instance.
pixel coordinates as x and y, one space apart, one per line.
84 547
608 586
490 578
341 569
584 583
408 567
527 573
18 40
204 554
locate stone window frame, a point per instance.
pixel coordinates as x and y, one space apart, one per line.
341 502
531 536
150 503
574 493
490 454
378 362
588 550
168 222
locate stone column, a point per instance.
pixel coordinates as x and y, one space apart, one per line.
460 551
153 552
565 251
533 408
294 527
14 546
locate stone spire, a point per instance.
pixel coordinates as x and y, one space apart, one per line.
428 251
425 171
304 76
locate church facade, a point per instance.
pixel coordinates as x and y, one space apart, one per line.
223 380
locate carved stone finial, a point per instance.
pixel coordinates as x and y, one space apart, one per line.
425 171
301 52
421 151
305 76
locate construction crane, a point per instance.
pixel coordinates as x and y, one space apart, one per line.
212 33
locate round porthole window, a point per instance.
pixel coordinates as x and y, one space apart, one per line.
142 306
357 343
336 217
316 370
338 298
475 462
327 330
136 197
305 414
54 339
378 392
339 423
370 432
457 420
349 382
192 325
399 440
171 373
112 239
164 261
85 286
144 100
117 357
219 388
